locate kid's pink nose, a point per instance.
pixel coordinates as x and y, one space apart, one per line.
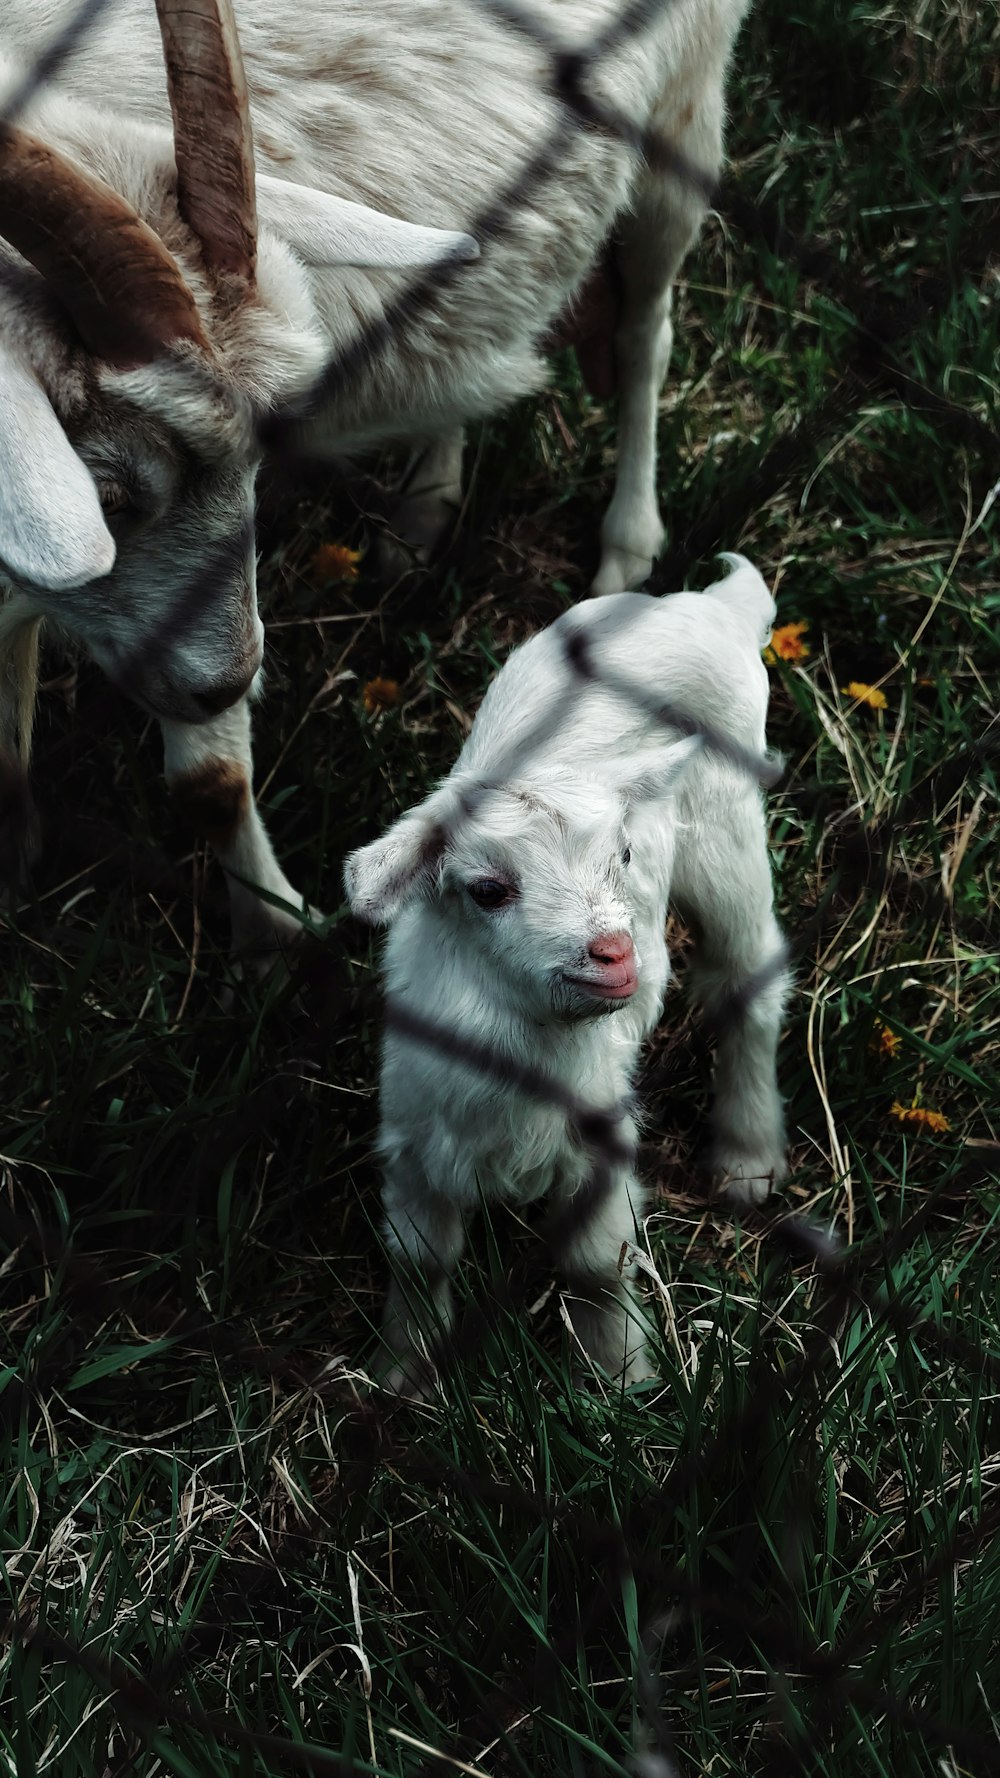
611 947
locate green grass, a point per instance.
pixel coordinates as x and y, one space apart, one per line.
222 1553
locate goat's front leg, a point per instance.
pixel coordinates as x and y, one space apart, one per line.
739 975
424 1236
209 769
590 1227
20 839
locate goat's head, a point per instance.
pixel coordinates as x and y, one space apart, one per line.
137 358
537 880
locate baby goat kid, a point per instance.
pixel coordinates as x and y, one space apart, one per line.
612 769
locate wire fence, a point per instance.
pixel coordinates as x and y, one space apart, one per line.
852 1279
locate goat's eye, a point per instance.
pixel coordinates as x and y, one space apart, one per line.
627 855
489 893
113 496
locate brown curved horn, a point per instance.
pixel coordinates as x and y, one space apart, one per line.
213 142
124 291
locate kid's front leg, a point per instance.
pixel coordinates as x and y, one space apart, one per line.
590 1229
425 1237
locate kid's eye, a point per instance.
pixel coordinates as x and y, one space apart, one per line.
627 855
489 893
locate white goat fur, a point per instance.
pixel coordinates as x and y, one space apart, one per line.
555 826
430 110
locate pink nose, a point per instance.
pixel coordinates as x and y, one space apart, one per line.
611 947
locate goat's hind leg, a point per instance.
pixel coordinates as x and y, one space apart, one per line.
651 243
209 769
739 976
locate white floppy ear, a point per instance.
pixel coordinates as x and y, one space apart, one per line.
657 772
382 878
327 231
52 529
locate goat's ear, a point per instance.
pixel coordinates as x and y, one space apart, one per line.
382 878
328 231
52 530
659 771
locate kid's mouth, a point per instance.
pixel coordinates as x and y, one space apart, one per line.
616 983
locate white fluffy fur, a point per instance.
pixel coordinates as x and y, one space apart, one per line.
553 819
428 111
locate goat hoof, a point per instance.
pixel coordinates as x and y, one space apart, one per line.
621 571
281 950
745 1179
268 940
415 1381
417 531
639 1369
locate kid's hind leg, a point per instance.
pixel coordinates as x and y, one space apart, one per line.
651 243
739 975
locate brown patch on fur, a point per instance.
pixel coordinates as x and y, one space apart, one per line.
686 117
212 801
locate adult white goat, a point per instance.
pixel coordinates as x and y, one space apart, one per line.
157 303
527 898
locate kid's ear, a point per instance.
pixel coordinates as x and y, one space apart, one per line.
52 529
657 772
383 878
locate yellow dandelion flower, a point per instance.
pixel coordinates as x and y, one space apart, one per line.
786 644
865 694
886 1042
334 561
918 1117
380 694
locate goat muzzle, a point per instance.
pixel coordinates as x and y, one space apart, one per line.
614 973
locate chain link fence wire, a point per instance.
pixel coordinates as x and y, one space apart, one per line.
851 1279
